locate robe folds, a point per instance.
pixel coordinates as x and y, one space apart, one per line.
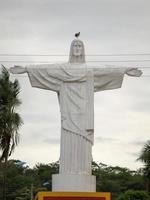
75 85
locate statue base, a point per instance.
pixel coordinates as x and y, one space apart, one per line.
72 196
73 183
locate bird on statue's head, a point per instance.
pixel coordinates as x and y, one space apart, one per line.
77 34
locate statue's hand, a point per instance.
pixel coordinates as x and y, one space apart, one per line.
17 70
134 72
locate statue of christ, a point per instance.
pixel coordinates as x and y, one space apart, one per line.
75 84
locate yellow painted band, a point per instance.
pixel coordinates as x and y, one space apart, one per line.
40 195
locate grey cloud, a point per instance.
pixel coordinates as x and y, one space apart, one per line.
138 143
52 140
133 154
143 106
46 18
38 135
105 139
39 117
141 94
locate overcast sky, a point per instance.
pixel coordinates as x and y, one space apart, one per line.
122 116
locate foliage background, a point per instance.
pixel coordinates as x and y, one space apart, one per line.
21 179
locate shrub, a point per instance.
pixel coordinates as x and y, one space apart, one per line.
134 195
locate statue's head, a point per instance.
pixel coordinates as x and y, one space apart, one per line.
77 54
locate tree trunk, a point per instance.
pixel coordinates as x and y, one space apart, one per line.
148 186
4 178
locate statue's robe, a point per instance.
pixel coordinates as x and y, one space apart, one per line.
75 85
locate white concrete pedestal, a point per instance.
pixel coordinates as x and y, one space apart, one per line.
73 182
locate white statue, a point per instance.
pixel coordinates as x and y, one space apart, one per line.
75 84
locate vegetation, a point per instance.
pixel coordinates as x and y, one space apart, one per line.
117 179
145 158
134 195
21 179
10 121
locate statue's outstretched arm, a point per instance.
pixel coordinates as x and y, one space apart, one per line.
18 70
134 72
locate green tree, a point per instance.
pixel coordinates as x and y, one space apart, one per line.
22 180
43 174
145 158
10 121
134 195
116 179
18 181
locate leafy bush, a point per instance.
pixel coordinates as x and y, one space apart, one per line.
134 195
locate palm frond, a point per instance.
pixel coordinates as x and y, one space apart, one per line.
10 121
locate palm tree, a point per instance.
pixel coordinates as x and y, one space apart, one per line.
10 121
145 158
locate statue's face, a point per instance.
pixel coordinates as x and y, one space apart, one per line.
77 48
